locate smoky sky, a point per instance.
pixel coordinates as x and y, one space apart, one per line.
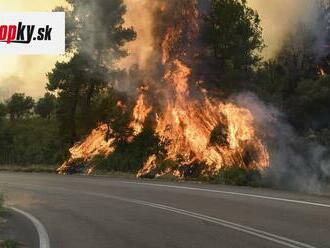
278 18
25 74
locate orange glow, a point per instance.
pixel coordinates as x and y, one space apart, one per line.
95 144
322 72
140 113
186 127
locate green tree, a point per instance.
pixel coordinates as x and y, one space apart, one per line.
96 37
45 106
113 107
3 110
302 55
68 78
96 31
232 38
308 107
19 106
299 56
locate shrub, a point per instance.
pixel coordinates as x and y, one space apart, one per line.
129 156
9 244
2 201
239 176
30 141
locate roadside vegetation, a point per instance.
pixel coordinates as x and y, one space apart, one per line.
42 168
238 176
10 244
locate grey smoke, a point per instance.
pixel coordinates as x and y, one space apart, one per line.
9 86
280 18
294 163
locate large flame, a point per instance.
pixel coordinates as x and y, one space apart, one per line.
187 127
194 130
95 144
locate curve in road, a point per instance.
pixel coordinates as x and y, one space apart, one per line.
104 212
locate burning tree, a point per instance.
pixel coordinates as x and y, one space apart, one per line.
197 134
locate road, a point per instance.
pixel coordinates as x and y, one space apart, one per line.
88 212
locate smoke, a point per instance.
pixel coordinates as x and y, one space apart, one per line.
25 73
17 75
141 49
145 52
10 85
280 18
295 164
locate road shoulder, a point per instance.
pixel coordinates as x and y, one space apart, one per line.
17 227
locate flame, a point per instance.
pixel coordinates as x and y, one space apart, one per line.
140 113
122 106
149 165
194 130
95 144
186 127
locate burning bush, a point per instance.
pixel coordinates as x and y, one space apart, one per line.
129 155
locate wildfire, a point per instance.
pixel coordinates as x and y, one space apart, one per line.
194 130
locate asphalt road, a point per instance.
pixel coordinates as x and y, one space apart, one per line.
88 212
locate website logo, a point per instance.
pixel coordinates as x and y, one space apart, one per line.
32 33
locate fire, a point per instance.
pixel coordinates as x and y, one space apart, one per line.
150 165
140 113
95 144
202 130
187 127
195 131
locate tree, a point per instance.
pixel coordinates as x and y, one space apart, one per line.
100 36
19 106
303 57
308 107
232 37
96 37
3 110
68 78
45 107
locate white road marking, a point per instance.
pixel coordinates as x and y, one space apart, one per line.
233 193
234 226
42 233
241 228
